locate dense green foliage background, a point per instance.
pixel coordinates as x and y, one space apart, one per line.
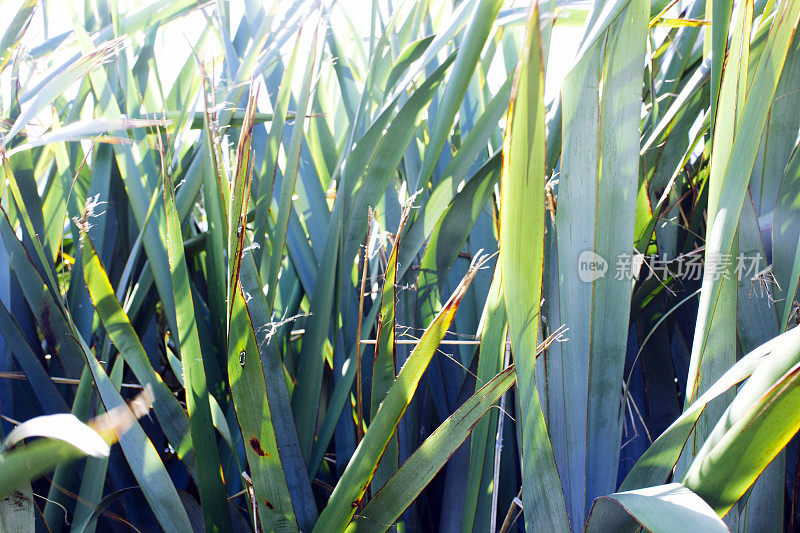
283 266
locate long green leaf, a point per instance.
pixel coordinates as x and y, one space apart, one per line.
597 199
723 227
719 353
383 151
468 56
278 235
657 462
158 489
212 492
522 213
490 361
270 158
248 386
384 363
58 84
173 419
356 478
419 469
756 426
660 509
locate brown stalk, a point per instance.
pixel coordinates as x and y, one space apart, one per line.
359 385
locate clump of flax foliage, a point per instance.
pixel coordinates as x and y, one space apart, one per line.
326 268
